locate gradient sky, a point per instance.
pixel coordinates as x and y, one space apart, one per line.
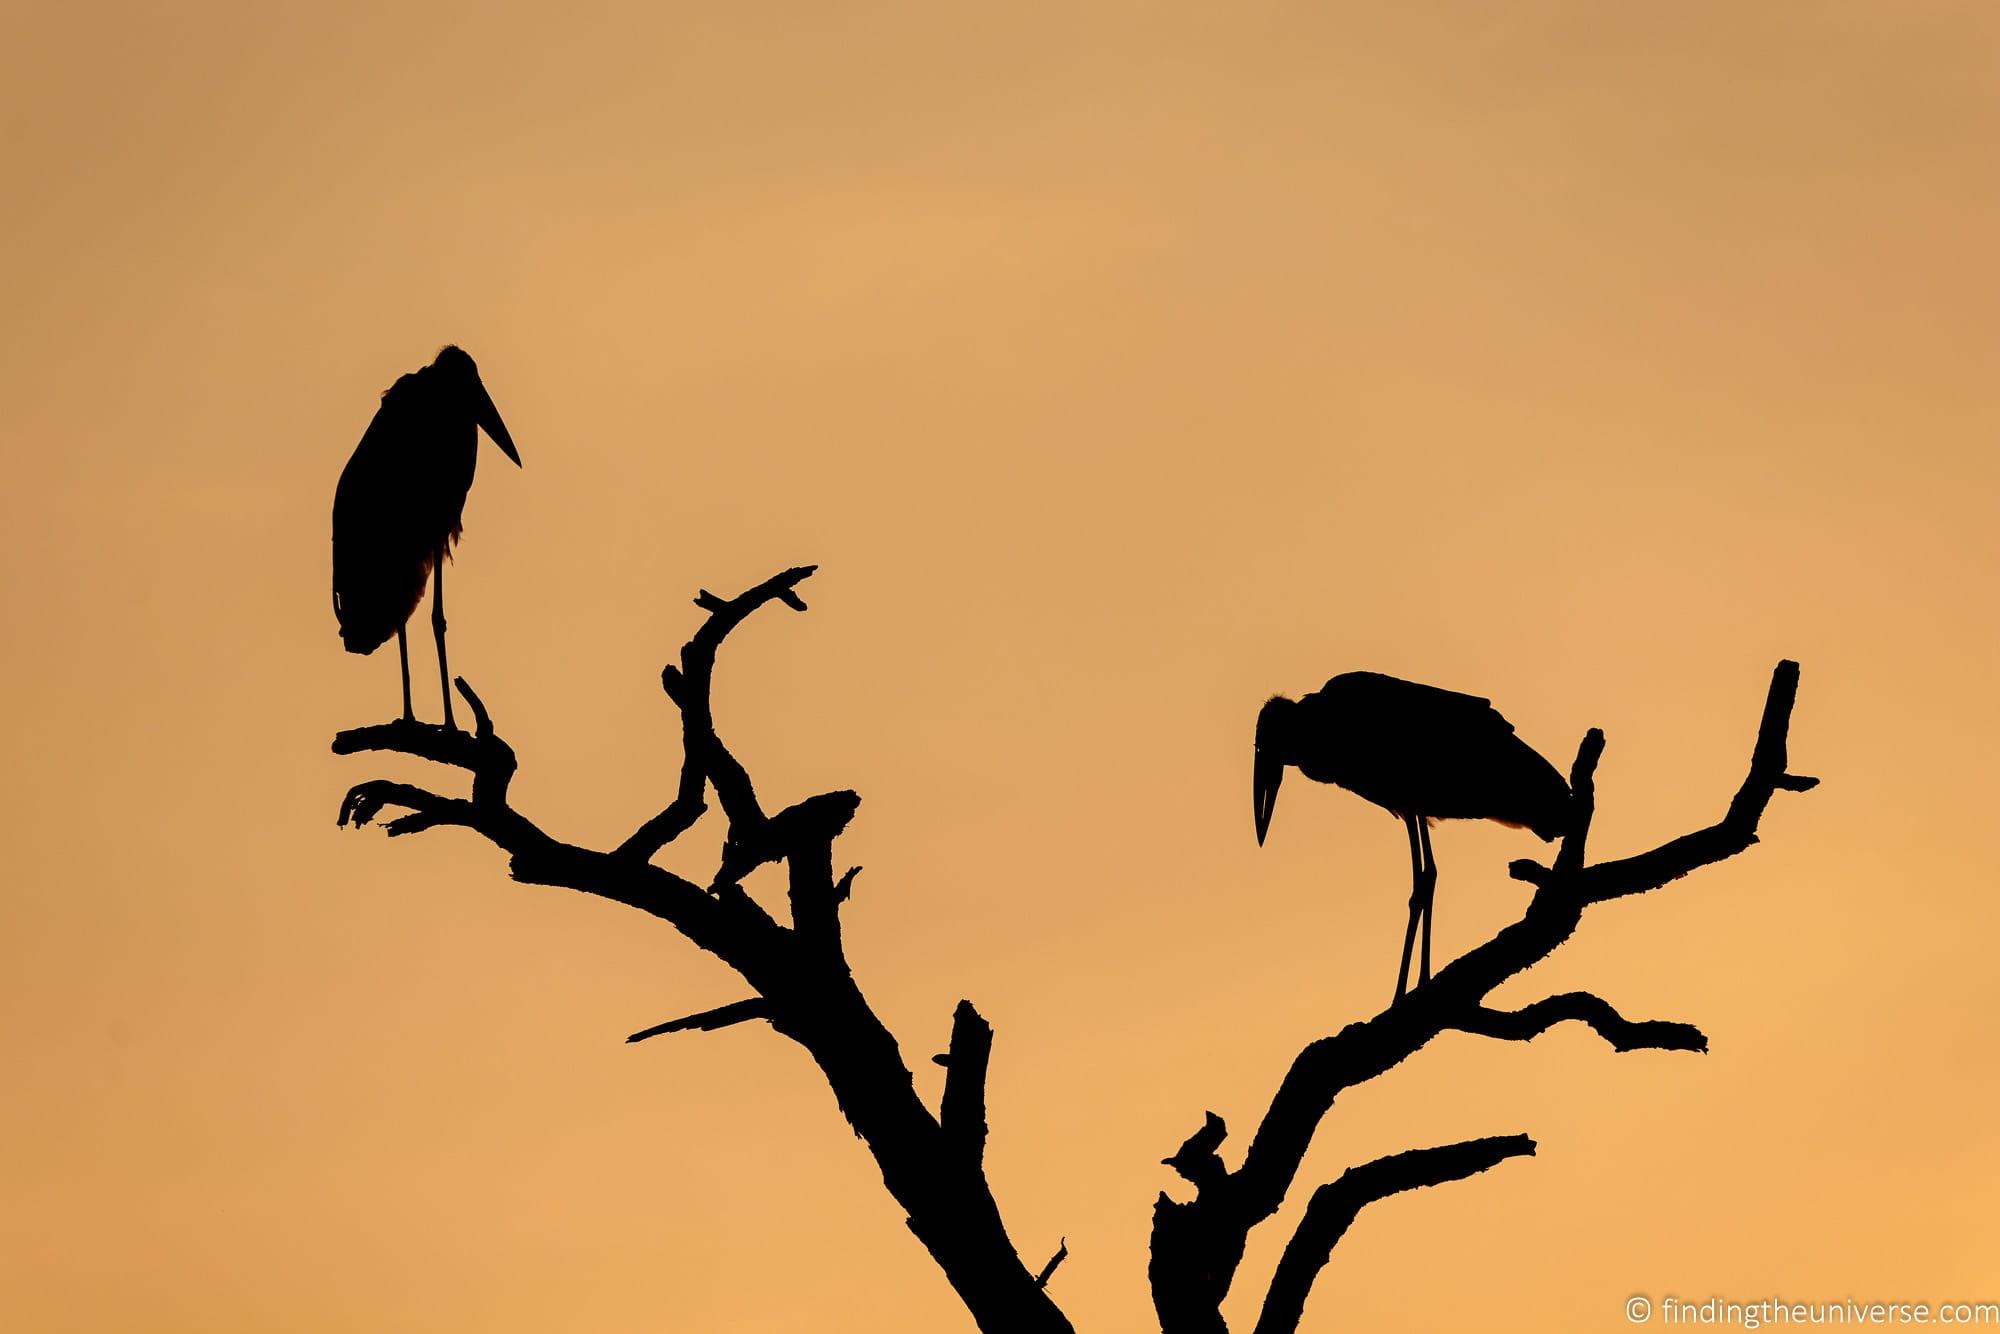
1120 365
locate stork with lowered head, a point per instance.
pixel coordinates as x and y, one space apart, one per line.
1418 752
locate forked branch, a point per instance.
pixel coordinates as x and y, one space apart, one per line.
931 1164
704 759
1198 1245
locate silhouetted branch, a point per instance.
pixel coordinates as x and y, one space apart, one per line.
736 1012
1583 803
365 801
1049 1269
426 741
1737 829
814 822
805 990
1198 1245
680 816
1623 1034
962 1109
1335 1206
704 759
1196 1159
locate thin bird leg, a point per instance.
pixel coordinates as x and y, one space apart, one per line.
437 624
1416 904
1430 879
403 653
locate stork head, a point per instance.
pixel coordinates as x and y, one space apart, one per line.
457 366
1274 745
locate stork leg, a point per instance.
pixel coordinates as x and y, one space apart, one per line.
1410 823
437 625
403 653
1430 883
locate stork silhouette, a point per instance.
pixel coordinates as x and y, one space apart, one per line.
1418 752
396 512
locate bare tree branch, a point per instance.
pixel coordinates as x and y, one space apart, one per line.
1737 829
1049 1269
703 758
1623 1034
365 801
962 1110
1196 1159
804 987
1335 1206
736 1012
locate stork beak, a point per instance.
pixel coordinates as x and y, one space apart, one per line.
1264 778
488 417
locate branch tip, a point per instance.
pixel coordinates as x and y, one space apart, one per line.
1049 1269
481 721
1594 1012
736 1012
962 1109
1530 870
1196 1160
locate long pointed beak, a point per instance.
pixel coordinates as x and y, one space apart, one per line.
1264 778
489 421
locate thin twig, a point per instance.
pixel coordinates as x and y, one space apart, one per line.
736 1012
1623 1034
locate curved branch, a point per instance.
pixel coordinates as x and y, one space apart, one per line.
728 929
704 759
364 801
1335 1206
1531 1021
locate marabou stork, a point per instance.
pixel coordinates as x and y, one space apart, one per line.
1418 752
396 511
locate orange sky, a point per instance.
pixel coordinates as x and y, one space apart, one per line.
1119 365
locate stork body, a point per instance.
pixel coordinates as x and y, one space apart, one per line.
398 507
1418 752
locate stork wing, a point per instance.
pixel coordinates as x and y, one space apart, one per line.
1373 694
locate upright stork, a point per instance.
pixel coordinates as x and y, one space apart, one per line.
397 510
1418 752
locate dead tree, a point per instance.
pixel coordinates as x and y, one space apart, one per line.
933 1162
